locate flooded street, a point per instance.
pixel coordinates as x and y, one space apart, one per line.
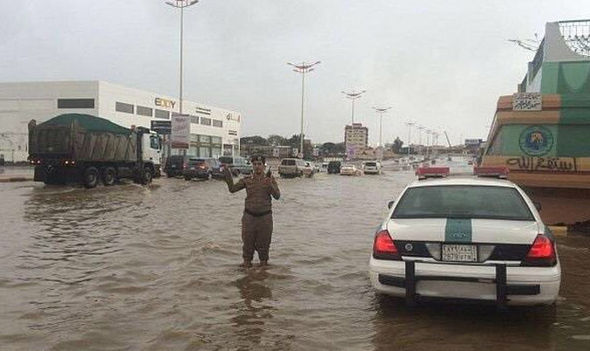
156 268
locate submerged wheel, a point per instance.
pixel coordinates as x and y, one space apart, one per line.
109 176
147 176
90 177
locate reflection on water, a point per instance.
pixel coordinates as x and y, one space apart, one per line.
253 310
156 268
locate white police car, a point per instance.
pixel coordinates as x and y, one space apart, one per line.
465 238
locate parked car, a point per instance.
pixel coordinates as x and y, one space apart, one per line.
216 168
372 167
295 167
350 170
175 165
237 165
198 168
465 239
334 167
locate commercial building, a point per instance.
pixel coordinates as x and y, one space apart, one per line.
213 132
356 135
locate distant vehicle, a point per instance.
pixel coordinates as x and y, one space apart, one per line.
317 168
176 164
295 167
465 239
201 168
334 167
372 167
2 160
324 167
79 148
350 170
237 164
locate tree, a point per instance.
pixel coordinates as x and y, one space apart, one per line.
253 140
397 145
277 140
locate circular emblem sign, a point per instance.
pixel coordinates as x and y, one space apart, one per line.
536 141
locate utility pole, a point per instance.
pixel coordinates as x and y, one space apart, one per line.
381 111
302 68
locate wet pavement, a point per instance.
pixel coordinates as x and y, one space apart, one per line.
156 268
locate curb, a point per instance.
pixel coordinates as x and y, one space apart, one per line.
15 179
558 230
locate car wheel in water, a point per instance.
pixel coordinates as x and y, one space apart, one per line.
90 177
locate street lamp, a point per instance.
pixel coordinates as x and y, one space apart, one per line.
181 4
409 124
302 68
381 111
353 96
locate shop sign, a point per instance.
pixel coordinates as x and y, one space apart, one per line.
164 102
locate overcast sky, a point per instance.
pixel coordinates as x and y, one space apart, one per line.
442 64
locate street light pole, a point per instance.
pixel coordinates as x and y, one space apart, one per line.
302 68
381 111
409 124
180 4
353 96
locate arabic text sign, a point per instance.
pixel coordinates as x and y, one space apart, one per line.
181 128
527 102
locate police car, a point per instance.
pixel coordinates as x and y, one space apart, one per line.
465 238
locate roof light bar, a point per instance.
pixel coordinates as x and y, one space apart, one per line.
432 172
497 172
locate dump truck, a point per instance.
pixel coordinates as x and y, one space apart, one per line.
88 150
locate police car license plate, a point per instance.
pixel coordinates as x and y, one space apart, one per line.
459 253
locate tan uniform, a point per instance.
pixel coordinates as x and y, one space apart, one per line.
257 222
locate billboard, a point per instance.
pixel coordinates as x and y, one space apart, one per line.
161 127
181 129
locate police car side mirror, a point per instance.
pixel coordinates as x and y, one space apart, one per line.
537 205
390 204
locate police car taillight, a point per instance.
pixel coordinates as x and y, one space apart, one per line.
497 172
541 253
384 248
432 172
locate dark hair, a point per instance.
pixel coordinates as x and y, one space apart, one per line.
258 158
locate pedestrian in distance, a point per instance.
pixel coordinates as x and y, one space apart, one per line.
257 222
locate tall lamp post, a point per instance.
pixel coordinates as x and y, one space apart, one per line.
181 4
353 96
302 68
381 111
409 124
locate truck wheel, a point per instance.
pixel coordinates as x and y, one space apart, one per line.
90 177
187 178
108 176
147 176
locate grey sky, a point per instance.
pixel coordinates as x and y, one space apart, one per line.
442 64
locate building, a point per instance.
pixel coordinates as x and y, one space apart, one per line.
356 135
214 131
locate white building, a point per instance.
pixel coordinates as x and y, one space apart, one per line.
214 131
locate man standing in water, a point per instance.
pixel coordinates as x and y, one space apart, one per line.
257 218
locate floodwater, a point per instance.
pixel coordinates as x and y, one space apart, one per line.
156 268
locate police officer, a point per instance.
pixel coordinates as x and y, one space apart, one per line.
257 218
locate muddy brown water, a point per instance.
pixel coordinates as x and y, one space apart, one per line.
156 268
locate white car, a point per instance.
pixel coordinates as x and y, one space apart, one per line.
350 170
372 167
465 239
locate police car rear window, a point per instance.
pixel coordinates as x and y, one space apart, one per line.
463 201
